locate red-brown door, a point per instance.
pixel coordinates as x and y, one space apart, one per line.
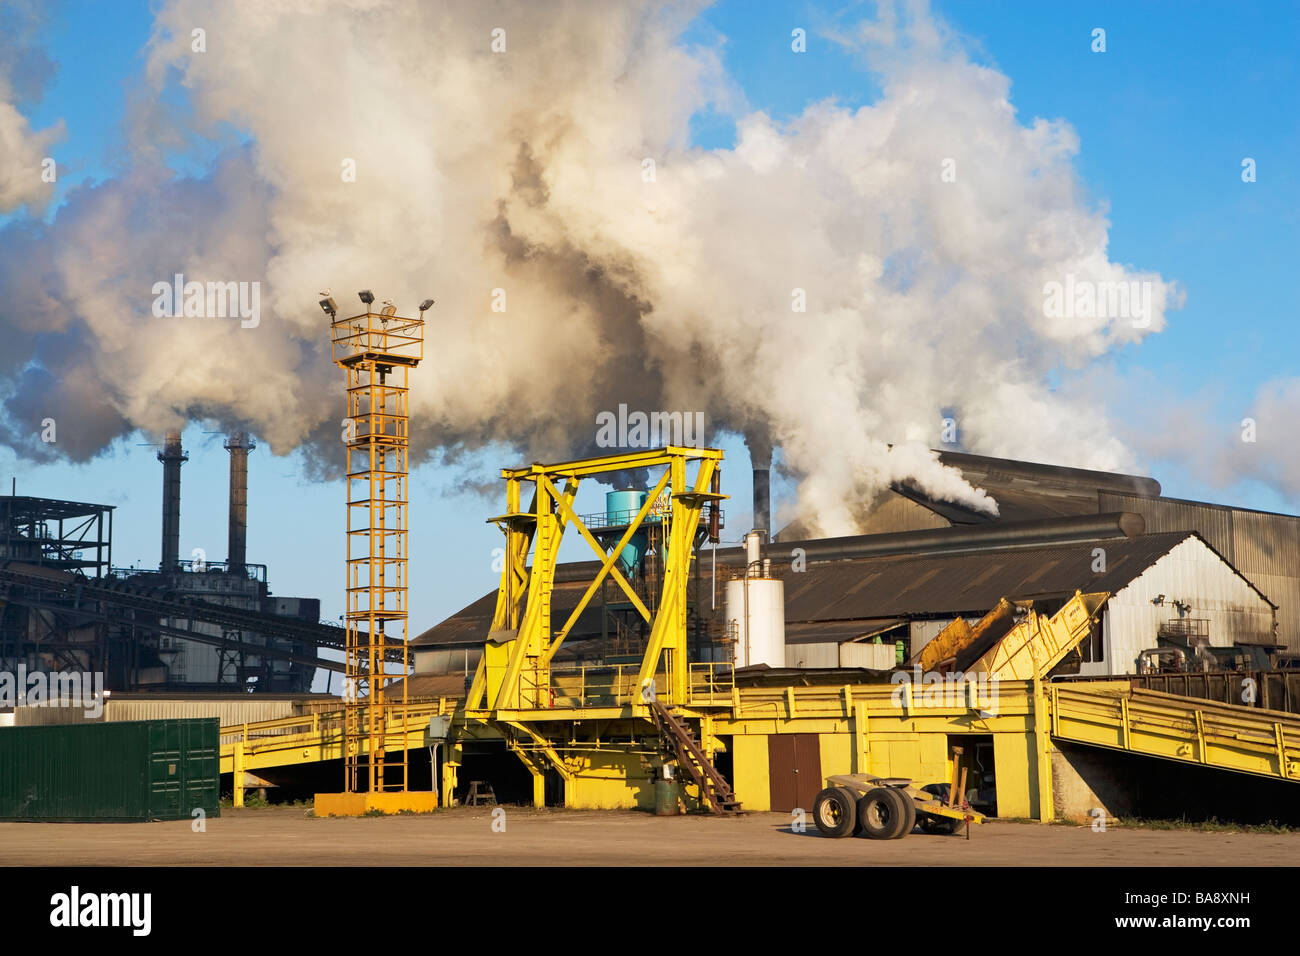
794 770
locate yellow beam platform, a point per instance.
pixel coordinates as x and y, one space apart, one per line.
1225 736
359 804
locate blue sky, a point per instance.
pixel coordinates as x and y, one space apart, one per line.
1164 118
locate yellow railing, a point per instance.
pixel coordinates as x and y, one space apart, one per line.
273 732
586 686
711 682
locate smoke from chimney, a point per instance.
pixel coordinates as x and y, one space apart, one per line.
172 457
816 280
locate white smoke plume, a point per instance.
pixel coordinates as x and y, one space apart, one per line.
527 171
23 70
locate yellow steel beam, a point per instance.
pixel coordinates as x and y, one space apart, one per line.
544 746
605 567
585 467
587 536
669 629
534 629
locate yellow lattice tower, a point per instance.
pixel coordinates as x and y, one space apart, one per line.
377 351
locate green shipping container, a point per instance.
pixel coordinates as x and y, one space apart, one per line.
123 772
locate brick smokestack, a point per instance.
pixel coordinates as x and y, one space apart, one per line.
172 457
238 444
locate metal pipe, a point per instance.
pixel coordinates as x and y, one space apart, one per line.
1002 534
172 457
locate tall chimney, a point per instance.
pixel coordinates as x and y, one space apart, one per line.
238 444
762 461
172 456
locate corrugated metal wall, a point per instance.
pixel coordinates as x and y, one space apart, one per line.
880 657
226 711
1263 547
1190 573
812 655
51 716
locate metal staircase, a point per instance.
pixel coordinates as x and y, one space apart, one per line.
713 786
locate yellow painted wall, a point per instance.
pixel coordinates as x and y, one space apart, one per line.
1013 764
922 757
836 754
611 782
749 771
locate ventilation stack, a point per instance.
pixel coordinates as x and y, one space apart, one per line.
239 444
172 457
762 461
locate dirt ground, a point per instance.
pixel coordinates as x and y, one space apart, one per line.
464 836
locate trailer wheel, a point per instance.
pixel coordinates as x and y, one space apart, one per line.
907 806
834 812
881 813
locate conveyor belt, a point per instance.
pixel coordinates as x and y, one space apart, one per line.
1224 736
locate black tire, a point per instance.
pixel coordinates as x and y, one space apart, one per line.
907 806
880 814
834 812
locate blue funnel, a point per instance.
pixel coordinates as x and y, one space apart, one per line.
620 508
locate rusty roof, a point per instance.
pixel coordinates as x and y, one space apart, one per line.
944 584
847 598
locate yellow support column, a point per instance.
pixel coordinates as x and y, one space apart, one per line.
238 775
1042 753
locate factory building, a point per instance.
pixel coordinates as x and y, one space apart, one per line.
1263 546
874 600
192 625
1167 590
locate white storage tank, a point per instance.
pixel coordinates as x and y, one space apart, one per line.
756 612
762 639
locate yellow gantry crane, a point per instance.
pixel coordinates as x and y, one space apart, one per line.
514 673
377 351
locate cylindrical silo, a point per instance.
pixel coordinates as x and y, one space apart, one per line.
756 617
620 508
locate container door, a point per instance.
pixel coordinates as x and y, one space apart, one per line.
201 764
165 773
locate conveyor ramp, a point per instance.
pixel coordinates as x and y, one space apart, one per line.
1224 736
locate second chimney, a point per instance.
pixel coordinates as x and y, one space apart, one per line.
172 457
762 494
238 444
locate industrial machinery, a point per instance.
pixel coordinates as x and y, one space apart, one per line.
889 808
515 670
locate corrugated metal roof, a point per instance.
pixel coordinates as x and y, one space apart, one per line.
859 592
429 685
903 585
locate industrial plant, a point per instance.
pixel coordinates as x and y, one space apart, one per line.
190 626
943 668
